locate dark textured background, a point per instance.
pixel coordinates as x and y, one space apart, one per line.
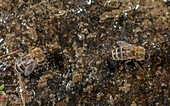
78 42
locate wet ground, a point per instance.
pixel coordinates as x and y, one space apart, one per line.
78 36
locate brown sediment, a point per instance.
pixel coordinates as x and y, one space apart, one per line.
78 37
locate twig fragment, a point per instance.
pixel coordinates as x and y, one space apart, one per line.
10 53
22 89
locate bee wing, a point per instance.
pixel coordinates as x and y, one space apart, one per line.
21 63
26 60
30 68
125 44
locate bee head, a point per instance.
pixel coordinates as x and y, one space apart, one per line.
38 54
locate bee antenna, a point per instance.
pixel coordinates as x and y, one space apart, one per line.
147 56
166 40
43 49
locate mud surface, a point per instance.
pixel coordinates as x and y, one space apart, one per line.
78 36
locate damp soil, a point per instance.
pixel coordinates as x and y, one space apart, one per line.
78 37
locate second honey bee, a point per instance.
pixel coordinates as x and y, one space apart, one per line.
127 51
28 63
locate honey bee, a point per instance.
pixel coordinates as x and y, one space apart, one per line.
28 63
127 51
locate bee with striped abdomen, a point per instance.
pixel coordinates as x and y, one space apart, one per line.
28 63
127 51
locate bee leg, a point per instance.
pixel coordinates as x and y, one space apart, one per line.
137 65
159 60
126 66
